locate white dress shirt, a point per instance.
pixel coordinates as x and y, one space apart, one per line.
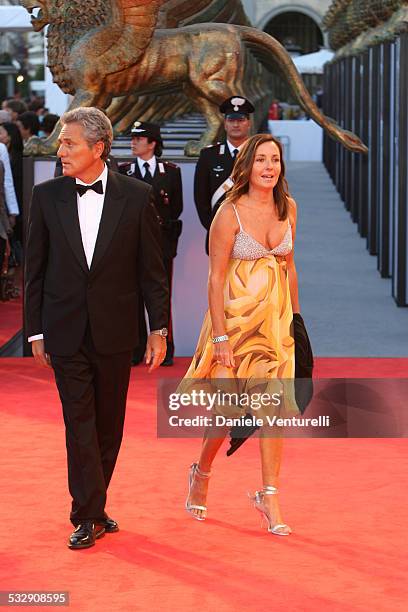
90 207
152 165
232 148
9 192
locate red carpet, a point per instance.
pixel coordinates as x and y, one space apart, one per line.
346 501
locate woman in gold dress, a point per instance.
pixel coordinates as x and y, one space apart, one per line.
247 333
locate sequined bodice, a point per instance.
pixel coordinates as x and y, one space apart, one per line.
246 247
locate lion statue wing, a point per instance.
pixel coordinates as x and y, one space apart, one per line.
179 13
175 14
140 17
133 26
134 22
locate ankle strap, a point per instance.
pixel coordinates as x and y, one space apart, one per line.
200 472
269 490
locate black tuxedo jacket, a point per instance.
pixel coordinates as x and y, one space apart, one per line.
62 294
168 200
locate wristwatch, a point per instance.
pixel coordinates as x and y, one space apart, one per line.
160 332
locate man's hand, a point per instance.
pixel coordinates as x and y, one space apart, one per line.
155 351
40 356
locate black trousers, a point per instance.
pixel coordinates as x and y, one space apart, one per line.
93 390
140 349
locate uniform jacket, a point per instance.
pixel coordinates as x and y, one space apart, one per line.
168 199
214 166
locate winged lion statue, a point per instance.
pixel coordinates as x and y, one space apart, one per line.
111 53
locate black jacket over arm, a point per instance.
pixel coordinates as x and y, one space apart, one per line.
62 294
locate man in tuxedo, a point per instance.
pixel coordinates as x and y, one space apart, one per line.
216 162
93 247
165 178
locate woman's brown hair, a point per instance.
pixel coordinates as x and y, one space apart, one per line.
243 168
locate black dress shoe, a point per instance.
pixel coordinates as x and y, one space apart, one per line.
85 535
109 525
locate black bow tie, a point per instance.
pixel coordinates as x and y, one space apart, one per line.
97 187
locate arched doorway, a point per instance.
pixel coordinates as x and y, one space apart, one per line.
297 27
300 34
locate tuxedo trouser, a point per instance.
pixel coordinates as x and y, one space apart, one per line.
93 390
140 349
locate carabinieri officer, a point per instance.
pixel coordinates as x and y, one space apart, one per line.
165 178
215 164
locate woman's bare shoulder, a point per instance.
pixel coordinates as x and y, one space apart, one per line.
228 206
226 213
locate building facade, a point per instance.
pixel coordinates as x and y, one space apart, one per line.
301 21
21 52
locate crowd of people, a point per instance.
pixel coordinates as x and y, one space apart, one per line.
19 120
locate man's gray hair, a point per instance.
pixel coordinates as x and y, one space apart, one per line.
95 124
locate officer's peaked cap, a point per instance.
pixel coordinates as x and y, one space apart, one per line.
149 130
236 107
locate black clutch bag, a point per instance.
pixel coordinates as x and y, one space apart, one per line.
304 364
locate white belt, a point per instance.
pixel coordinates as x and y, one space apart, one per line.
222 189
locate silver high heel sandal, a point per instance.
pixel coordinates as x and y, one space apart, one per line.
259 503
195 471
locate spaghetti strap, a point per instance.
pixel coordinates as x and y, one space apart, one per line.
237 215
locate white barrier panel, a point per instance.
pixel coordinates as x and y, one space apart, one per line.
302 140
